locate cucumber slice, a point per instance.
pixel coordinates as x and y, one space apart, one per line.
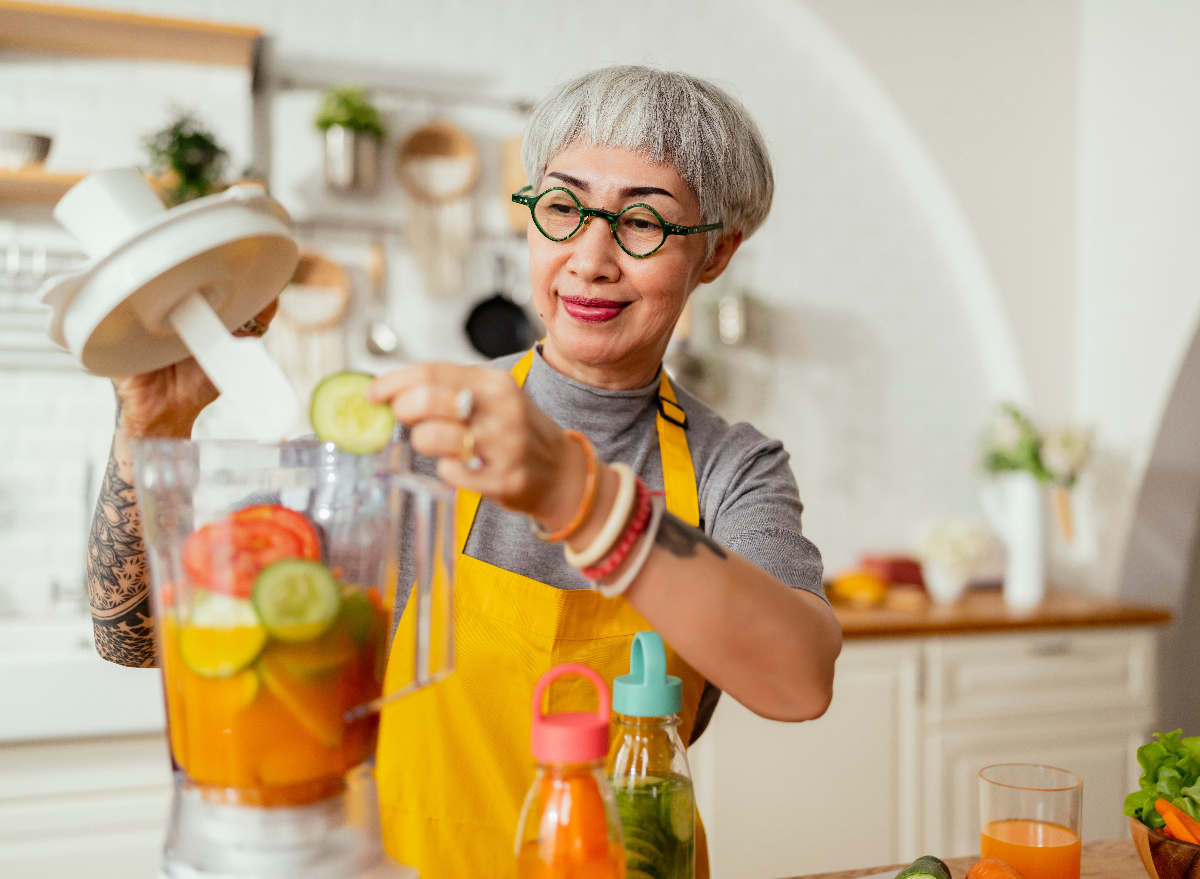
297 599
358 616
341 415
681 813
926 865
223 637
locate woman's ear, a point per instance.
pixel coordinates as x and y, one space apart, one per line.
721 255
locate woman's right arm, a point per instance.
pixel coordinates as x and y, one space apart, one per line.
163 403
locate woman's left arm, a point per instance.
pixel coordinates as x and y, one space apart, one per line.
767 645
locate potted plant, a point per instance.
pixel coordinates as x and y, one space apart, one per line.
186 159
353 130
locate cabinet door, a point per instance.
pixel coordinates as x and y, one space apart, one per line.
1102 754
776 797
84 807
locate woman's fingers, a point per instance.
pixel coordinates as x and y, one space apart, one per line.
483 381
433 401
442 438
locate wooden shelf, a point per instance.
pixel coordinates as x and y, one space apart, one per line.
70 30
35 186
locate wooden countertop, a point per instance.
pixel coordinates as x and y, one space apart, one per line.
1109 859
983 610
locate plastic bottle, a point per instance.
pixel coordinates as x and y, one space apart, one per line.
569 827
648 766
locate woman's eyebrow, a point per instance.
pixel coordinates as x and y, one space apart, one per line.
628 192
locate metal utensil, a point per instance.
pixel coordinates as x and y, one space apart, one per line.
381 338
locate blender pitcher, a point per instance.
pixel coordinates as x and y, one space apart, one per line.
274 572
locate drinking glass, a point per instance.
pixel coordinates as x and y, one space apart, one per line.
1030 817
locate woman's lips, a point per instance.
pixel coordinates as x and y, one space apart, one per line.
594 311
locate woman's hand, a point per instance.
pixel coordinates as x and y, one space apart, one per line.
166 402
529 465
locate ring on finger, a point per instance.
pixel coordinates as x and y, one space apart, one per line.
464 404
473 461
253 327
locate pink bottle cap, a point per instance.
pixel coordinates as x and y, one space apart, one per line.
570 736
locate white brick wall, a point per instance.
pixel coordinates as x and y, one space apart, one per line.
870 375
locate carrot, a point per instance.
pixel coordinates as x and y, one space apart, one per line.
1183 826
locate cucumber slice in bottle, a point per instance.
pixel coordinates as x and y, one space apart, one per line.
297 599
341 415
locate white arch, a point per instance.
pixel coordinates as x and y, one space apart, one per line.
984 309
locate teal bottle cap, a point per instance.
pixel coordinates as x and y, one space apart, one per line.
647 691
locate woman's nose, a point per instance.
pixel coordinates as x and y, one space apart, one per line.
593 255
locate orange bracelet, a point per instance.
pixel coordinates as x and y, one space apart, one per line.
585 503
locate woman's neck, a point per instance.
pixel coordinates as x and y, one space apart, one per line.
629 374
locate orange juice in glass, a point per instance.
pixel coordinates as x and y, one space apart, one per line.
1030 818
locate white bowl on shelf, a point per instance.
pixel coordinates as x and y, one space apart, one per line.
20 149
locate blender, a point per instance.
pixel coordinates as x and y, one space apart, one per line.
275 568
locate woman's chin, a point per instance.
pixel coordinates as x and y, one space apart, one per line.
592 343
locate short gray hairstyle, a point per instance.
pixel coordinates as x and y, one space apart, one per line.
667 117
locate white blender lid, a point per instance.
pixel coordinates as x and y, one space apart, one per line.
157 275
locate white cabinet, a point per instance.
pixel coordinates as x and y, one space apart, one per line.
84 807
890 772
782 799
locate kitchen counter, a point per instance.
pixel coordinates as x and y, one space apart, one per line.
983 610
1108 859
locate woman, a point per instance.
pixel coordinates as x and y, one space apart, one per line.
645 183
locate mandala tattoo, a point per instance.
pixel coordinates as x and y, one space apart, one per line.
680 539
118 588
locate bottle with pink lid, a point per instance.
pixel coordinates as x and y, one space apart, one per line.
569 825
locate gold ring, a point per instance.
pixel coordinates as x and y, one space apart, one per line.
468 456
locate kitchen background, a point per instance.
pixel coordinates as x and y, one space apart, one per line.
975 202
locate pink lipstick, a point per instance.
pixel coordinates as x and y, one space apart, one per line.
594 311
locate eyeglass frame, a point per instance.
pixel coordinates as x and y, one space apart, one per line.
586 214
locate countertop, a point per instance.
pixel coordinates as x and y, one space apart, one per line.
1109 859
983 610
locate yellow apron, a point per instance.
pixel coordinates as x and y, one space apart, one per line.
454 763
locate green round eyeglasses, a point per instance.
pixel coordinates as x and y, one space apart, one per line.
638 229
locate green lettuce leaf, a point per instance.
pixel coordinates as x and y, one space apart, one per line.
1170 770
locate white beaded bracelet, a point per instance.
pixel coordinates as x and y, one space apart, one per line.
613 526
612 590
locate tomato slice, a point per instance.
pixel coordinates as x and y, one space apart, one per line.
287 519
227 555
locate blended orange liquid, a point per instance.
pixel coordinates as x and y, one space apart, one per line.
1039 850
273 734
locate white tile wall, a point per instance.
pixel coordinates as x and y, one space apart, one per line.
57 427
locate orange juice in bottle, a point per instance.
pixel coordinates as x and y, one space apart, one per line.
569 826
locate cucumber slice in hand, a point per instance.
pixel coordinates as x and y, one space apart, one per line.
297 599
341 415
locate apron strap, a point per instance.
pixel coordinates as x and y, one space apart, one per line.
679 476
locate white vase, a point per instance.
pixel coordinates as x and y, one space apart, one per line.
943 586
1013 504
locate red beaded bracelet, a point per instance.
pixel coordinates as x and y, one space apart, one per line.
634 530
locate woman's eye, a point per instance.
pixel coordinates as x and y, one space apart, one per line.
563 209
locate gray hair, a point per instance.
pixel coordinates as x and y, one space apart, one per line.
667 117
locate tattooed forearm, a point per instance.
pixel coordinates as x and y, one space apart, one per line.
118 587
680 539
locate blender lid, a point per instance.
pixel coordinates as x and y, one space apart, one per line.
232 247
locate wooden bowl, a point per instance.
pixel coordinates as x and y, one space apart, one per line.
1164 857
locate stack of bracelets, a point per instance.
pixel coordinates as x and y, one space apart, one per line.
636 513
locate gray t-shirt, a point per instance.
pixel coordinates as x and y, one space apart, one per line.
748 498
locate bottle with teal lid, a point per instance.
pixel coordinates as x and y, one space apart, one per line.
647 764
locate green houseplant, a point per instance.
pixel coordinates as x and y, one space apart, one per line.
187 158
352 129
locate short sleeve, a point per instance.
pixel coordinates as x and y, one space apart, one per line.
752 506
